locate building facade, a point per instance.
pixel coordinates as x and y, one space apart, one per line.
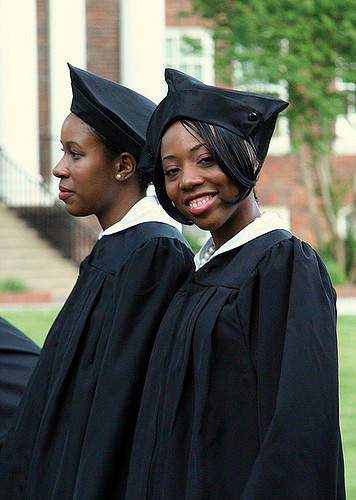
128 41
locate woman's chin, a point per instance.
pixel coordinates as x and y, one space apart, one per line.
76 212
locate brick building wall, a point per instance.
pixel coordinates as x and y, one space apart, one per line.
103 38
178 14
43 87
280 184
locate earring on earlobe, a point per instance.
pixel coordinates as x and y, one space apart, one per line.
118 176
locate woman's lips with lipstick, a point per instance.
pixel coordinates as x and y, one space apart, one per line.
199 203
64 193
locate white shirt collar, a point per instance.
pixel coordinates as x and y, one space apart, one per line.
145 210
268 221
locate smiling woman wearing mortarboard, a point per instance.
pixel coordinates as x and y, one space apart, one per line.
71 436
241 394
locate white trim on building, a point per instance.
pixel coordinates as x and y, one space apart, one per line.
142 47
67 43
19 130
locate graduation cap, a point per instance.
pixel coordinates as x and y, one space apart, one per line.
116 112
246 114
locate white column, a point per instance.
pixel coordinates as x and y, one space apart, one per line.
19 127
142 47
67 27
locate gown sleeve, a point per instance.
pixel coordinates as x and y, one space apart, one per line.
289 313
18 357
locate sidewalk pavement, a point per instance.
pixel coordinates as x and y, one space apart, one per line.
346 305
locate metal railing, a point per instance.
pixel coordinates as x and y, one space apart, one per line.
33 200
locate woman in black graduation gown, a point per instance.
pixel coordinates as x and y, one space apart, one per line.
71 436
241 394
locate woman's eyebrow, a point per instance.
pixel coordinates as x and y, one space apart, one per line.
169 157
72 143
194 148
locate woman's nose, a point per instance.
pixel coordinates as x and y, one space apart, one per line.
190 177
60 169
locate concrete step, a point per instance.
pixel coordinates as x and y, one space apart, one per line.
37 272
26 252
32 238
26 256
20 254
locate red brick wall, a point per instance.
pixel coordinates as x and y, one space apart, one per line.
103 38
43 88
175 10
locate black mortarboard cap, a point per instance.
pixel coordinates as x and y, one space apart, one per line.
248 115
116 112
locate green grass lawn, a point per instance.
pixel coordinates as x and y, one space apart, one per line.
347 357
36 323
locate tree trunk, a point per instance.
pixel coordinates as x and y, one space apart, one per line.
307 176
323 171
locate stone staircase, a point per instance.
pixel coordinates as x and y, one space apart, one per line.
26 256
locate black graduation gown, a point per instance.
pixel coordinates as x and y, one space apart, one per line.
241 394
72 434
18 357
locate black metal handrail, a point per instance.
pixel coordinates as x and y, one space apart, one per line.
33 200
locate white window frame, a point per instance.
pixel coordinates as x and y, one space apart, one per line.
345 126
280 142
185 61
342 221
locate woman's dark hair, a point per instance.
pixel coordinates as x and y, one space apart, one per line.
234 155
111 153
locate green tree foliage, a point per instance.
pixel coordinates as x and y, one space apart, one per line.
308 45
